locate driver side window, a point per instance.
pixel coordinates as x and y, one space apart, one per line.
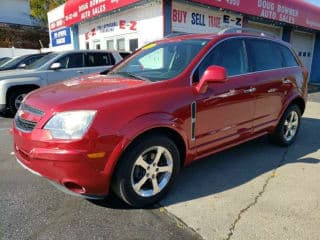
229 54
71 61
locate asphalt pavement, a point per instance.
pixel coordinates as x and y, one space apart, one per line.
31 208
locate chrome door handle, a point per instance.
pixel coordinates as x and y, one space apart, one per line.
249 90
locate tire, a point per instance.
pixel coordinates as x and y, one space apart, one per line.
146 170
15 98
288 128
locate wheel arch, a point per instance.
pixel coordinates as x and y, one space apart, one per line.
300 102
163 130
174 135
30 87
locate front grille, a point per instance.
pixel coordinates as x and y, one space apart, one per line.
24 125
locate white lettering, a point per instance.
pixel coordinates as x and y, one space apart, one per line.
266 5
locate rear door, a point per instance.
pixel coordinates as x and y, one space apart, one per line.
224 113
71 66
98 62
273 77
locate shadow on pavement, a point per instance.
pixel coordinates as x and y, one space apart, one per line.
234 167
114 202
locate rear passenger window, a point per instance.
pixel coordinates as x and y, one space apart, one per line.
289 59
230 54
99 59
263 55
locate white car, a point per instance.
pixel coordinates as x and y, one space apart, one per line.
54 67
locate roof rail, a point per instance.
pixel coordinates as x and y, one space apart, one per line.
248 30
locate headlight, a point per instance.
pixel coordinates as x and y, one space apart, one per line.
70 125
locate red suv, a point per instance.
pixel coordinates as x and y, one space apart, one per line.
174 101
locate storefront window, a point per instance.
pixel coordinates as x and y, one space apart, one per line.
110 44
120 44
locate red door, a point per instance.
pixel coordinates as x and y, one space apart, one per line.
224 114
275 70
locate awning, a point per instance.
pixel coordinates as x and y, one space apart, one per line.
295 12
76 11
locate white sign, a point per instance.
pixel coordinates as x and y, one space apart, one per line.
193 19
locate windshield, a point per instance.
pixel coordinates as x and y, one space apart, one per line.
160 61
13 62
42 61
3 61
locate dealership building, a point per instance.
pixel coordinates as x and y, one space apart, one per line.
126 25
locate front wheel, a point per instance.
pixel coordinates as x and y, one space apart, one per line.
288 127
146 170
15 99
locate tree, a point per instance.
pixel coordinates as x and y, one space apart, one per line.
40 8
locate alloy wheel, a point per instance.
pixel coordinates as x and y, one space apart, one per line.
151 171
291 126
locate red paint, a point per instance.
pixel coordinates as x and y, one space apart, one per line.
295 12
179 16
225 116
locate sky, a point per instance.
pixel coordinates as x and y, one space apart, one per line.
315 2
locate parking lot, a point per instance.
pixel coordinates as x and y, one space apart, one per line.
253 191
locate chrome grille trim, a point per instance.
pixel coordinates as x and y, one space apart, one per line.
24 125
30 109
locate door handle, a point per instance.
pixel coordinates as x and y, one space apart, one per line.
249 90
81 72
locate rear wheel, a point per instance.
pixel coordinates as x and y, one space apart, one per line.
288 127
146 170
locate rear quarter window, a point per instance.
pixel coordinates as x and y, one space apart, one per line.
289 58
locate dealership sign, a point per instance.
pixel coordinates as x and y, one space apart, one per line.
187 18
61 37
296 12
78 10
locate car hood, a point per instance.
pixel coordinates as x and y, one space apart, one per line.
78 91
16 73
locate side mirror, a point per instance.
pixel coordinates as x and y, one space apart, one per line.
22 65
55 66
213 74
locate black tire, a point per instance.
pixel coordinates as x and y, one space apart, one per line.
13 96
279 136
128 173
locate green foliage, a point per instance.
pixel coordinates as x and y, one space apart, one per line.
40 8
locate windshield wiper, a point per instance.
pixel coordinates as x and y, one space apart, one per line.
133 75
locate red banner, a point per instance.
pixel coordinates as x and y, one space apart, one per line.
296 12
78 10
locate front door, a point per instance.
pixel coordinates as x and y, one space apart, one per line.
224 114
71 66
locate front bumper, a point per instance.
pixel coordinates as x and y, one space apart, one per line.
59 186
63 164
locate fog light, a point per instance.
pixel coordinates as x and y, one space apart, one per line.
74 187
